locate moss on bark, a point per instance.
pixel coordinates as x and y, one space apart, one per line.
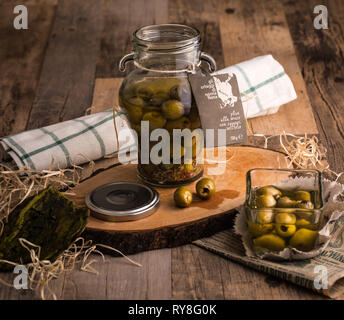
49 220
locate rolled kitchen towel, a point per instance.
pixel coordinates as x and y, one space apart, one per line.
70 142
264 87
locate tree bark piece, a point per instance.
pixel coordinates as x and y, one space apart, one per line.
48 220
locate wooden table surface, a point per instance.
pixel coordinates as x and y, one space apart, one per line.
67 61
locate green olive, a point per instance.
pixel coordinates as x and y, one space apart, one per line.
304 214
172 109
285 202
174 93
205 188
265 201
188 168
183 197
146 109
134 114
136 101
302 195
258 229
303 239
285 230
156 120
301 223
144 91
181 123
312 226
158 98
181 93
270 241
265 216
285 218
304 204
165 84
269 190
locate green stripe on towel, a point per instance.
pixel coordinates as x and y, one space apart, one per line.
250 85
62 146
27 155
96 134
262 84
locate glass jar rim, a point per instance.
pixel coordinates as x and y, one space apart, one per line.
166 37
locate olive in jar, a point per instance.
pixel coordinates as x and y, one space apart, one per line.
156 120
172 109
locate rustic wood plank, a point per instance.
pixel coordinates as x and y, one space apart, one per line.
246 34
21 56
153 281
320 53
105 94
66 83
203 16
10 293
253 28
121 19
119 279
199 274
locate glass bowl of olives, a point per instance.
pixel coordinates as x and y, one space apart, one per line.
283 209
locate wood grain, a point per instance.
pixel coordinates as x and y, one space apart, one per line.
320 53
199 274
21 57
120 19
233 31
105 94
258 28
67 77
119 279
169 226
203 16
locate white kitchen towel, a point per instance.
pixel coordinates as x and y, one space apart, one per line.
264 87
70 142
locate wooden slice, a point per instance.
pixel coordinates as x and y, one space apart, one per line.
170 226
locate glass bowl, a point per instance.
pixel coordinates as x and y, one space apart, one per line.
283 208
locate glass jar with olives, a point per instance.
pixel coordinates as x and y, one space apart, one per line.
278 216
158 92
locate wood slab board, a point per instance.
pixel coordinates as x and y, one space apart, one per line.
170 226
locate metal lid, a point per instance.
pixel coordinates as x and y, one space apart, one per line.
122 201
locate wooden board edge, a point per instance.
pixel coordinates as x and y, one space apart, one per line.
130 242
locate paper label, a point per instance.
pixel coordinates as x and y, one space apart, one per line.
219 106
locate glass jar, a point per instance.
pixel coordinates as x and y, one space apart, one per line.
283 209
157 92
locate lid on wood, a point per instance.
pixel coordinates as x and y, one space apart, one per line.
122 201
